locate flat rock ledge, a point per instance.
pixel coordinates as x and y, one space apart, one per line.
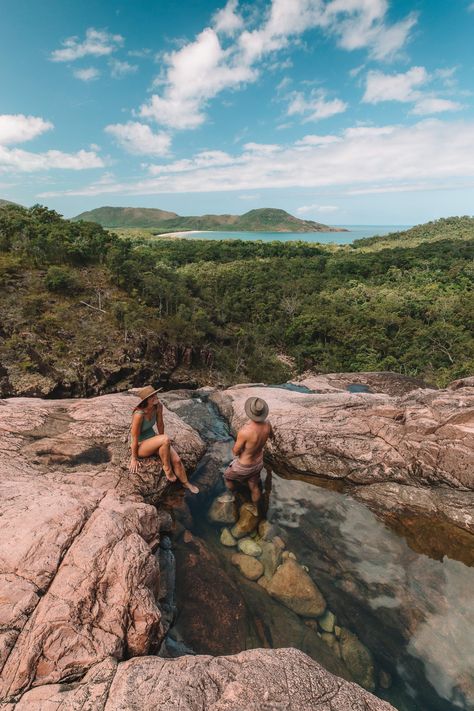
78 576
255 680
419 440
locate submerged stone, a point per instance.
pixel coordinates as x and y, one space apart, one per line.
227 539
293 587
358 659
223 510
271 557
332 642
327 621
249 547
248 521
250 567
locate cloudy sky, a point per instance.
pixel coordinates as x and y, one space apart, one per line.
343 111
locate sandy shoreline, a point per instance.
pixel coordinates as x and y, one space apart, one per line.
183 234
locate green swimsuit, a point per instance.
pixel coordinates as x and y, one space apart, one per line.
146 428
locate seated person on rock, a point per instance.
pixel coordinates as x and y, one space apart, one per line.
248 449
145 442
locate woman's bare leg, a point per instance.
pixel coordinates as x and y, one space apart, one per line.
178 467
160 445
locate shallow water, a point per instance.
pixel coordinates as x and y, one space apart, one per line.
355 232
414 612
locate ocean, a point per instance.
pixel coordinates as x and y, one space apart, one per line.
356 232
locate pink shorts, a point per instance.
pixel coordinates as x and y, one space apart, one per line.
243 473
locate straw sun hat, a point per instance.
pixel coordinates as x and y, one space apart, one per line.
256 409
147 392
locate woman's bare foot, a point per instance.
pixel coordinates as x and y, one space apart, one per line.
191 487
169 474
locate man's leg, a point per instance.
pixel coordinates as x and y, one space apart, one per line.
254 486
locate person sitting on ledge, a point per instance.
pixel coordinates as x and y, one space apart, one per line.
145 442
248 448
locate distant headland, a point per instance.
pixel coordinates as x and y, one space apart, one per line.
265 219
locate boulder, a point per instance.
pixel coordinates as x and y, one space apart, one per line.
358 659
270 557
78 574
327 621
249 547
227 539
247 522
255 679
249 566
223 510
292 586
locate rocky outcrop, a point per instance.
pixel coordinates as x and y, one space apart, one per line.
266 680
79 579
423 438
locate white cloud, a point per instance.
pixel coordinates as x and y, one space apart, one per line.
430 151
97 43
471 7
316 107
201 69
15 159
138 138
196 73
435 105
18 128
204 159
394 87
310 209
314 140
87 74
407 87
261 147
120 69
227 20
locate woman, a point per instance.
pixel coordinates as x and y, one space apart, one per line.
145 442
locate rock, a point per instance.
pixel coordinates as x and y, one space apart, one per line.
254 679
78 576
227 539
332 642
337 631
270 557
327 621
280 543
292 586
266 530
248 521
211 610
248 566
414 437
263 582
223 510
249 547
358 659
385 679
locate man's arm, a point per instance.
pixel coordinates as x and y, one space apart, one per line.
160 425
239 445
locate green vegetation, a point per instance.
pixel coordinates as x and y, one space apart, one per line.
262 220
79 304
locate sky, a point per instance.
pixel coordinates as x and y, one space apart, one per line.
340 111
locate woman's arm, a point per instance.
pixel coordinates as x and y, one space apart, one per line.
134 433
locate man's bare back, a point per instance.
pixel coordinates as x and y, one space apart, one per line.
250 442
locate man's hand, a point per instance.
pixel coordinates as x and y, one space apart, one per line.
134 465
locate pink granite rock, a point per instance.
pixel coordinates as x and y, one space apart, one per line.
263 680
78 576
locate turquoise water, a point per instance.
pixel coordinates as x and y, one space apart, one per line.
355 232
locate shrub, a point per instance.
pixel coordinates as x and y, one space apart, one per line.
60 280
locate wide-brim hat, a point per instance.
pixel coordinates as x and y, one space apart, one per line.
256 409
147 392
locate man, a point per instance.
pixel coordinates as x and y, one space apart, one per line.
248 448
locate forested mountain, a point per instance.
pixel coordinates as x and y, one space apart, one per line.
84 311
261 220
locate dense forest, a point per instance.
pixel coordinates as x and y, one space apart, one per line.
85 311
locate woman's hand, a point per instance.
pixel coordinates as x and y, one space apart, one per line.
134 465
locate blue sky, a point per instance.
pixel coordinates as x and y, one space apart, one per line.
342 111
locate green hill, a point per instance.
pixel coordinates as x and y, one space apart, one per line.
6 202
262 220
125 216
446 228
